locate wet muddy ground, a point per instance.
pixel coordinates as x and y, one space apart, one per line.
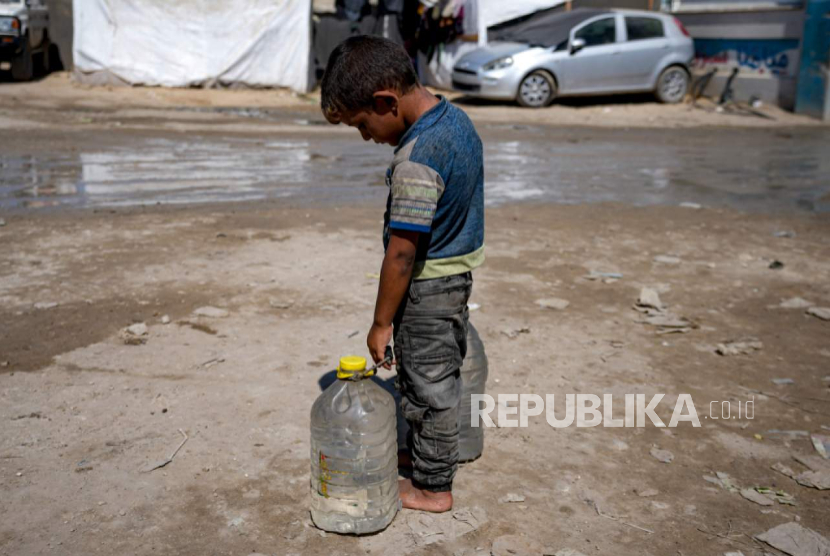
277 221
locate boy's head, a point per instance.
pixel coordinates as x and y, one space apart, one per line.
365 80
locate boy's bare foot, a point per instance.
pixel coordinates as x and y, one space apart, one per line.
415 498
404 459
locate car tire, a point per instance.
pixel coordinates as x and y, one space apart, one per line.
537 90
23 66
672 85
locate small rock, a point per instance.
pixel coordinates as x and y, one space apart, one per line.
649 298
46 305
18 474
473 306
783 233
511 497
515 332
659 505
690 205
820 312
738 553
137 329
277 304
795 303
796 540
647 492
783 381
744 346
667 259
553 303
165 319
211 312
2 222
567 552
776 265
754 496
663 456
122 513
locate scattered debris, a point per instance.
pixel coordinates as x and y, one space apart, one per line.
776 265
515 332
211 362
663 456
783 233
606 277
511 497
553 303
793 303
817 476
743 346
655 312
820 442
796 540
277 304
777 495
566 552
723 480
353 333
2 222
754 496
161 464
211 312
165 319
135 334
647 493
667 259
789 435
688 205
515 545
429 529
46 305
37 415
473 306
595 506
783 381
820 312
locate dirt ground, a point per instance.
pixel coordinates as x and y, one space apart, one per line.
85 414
21 104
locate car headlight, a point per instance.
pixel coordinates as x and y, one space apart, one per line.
501 63
9 26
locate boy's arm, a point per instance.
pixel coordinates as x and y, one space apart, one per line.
395 275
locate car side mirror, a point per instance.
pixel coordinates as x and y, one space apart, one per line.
577 45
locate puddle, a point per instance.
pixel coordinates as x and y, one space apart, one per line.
748 170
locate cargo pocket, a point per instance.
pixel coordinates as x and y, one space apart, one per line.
431 350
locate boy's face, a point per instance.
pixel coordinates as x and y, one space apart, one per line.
383 123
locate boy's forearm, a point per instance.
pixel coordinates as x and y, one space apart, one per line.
395 275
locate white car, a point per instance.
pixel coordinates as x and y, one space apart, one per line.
24 38
580 52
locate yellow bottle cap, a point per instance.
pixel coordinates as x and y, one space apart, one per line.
350 365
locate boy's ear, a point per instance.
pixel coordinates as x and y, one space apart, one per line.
386 102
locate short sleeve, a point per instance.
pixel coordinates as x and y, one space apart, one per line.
416 189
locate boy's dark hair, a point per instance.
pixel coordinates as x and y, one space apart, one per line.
358 68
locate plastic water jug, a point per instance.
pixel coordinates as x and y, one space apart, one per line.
354 458
473 379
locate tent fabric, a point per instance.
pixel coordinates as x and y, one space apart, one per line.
545 29
182 43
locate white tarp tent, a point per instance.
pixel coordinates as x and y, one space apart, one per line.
182 43
438 71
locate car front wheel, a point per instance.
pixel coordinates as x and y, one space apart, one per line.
672 85
23 67
537 90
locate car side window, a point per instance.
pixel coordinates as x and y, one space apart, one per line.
641 28
602 31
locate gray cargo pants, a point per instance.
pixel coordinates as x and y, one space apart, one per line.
430 345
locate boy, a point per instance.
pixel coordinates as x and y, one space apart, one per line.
433 236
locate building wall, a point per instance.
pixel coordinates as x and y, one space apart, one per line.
763 45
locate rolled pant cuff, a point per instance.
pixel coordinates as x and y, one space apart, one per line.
447 487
